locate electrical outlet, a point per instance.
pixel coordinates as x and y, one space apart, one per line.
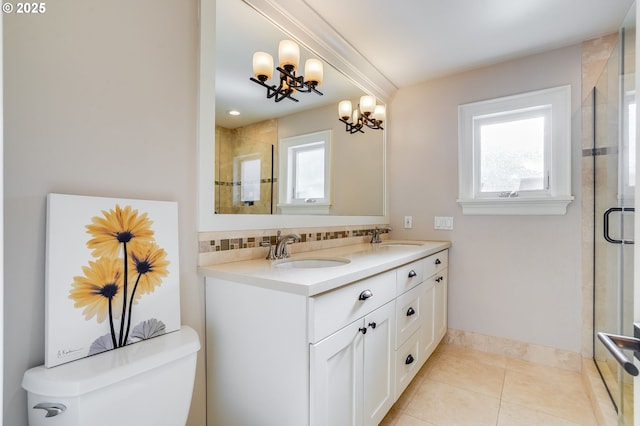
443 222
408 222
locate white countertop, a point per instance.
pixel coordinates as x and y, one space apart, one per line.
365 260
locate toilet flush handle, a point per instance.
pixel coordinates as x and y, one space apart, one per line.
53 409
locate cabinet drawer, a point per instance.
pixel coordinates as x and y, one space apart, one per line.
330 311
408 314
410 275
408 362
436 262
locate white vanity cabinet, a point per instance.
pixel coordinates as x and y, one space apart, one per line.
352 372
337 352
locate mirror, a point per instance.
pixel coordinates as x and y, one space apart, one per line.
247 146
353 166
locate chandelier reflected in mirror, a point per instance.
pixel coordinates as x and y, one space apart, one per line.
368 113
289 82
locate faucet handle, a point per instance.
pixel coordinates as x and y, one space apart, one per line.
271 255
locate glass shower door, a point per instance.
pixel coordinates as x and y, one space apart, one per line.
613 153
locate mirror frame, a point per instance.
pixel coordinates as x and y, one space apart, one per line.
324 42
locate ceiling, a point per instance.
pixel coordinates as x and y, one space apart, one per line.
408 42
411 41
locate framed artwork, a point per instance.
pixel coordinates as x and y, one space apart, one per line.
112 274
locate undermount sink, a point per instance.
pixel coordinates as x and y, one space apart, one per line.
399 244
308 262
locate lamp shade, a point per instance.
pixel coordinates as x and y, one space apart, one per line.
262 66
289 53
367 104
313 71
344 110
379 113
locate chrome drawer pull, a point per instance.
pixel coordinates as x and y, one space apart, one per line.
412 273
409 359
365 295
410 311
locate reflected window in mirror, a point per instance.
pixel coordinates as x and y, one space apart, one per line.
305 173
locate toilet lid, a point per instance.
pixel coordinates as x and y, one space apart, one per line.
87 374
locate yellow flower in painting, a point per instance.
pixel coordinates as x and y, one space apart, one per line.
150 262
116 227
99 291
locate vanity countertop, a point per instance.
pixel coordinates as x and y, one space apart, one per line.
365 260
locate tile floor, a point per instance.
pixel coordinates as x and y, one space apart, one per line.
459 386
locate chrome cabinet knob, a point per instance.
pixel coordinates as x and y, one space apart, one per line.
365 295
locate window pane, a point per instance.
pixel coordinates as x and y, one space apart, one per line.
512 155
309 173
250 180
631 177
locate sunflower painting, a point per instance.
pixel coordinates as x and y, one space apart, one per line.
111 276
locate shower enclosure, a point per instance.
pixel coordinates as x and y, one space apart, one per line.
613 154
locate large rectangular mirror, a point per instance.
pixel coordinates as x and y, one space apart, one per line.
239 157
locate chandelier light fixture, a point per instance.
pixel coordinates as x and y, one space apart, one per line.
289 56
368 113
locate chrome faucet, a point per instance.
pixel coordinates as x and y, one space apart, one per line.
281 246
375 235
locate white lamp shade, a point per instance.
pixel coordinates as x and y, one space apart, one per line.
313 71
289 53
262 65
379 113
356 116
344 109
367 104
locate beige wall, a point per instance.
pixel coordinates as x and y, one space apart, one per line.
100 99
516 277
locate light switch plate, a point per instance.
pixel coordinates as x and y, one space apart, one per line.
443 223
408 222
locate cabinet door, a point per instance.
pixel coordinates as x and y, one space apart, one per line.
336 377
440 305
428 341
379 366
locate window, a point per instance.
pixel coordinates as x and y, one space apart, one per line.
246 170
305 174
515 154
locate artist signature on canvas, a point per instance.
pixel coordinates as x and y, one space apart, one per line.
65 353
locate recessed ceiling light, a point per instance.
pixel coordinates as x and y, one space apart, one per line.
234 112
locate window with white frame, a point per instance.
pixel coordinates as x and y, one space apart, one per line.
515 154
305 174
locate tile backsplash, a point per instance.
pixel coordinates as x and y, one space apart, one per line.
232 246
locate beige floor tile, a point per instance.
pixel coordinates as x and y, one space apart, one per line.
517 415
447 405
469 374
552 391
406 420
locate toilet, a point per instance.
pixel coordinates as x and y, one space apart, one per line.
146 383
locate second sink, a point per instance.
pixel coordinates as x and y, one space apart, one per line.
311 262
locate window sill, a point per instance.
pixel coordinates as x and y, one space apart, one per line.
311 208
516 206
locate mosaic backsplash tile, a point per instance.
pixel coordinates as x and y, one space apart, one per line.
231 246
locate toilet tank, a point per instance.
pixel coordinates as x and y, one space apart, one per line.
146 383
